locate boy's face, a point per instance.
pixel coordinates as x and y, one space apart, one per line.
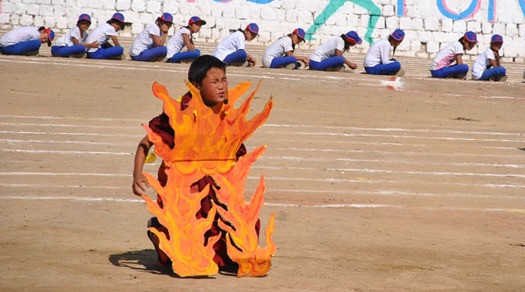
84 25
195 27
214 87
43 37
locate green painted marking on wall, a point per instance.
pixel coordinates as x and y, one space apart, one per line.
332 8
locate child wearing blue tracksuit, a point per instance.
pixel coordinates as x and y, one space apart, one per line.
443 64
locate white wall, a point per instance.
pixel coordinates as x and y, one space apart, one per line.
428 24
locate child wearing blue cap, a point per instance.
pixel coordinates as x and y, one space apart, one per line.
377 59
101 35
280 53
329 55
73 43
25 40
442 67
231 50
488 64
149 44
184 38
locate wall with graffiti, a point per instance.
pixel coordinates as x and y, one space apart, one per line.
429 24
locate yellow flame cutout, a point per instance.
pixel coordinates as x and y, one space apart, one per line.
206 142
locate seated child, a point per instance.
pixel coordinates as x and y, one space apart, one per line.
442 67
329 55
377 59
488 64
184 38
73 43
280 53
102 34
231 49
149 44
25 40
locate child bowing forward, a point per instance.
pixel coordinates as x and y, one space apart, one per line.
442 65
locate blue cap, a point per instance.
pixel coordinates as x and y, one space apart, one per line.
85 17
471 37
50 35
300 33
353 38
118 17
196 19
253 27
398 34
167 17
496 39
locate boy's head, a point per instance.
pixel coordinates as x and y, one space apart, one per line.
251 31
84 21
195 23
208 74
46 35
469 40
496 42
396 37
117 21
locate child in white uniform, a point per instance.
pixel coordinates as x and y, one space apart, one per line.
102 34
73 43
442 67
25 40
280 53
488 64
149 44
231 49
329 55
377 59
184 38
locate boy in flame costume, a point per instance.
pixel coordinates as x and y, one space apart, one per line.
202 224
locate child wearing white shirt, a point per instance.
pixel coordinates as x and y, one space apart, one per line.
377 59
488 64
184 38
280 53
329 55
102 34
442 67
231 49
73 43
149 44
25 40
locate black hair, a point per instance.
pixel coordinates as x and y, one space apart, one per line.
347 43
199 68
41 28
121 24
160 22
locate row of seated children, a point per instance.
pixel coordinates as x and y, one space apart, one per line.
152 44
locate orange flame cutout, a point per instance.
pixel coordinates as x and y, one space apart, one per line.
206 142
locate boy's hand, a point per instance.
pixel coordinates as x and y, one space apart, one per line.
140 184
352 66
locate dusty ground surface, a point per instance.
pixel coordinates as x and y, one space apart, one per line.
373 189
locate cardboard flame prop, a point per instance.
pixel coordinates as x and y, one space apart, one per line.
206 141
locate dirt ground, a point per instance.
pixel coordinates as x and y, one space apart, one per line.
373 189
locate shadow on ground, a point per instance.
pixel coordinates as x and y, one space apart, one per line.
144 260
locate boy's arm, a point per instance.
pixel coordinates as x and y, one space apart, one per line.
459 59
497 61
159 41
140 183
188 42
115 40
